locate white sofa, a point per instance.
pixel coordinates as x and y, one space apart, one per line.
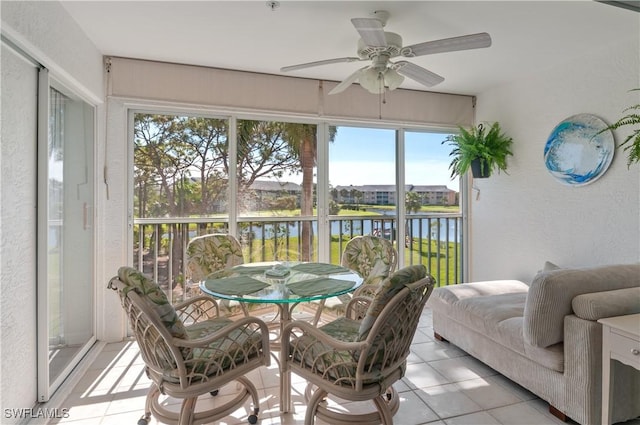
545 336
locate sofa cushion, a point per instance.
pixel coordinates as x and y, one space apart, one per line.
551 294
486 307
495 310
607 304
453 293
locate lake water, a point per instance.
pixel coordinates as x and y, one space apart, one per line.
379 227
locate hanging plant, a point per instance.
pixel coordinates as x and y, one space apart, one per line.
481 150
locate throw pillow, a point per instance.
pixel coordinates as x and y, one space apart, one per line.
547 267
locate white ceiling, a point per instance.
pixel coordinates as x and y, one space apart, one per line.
527 36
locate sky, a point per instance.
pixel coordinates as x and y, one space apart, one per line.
360 156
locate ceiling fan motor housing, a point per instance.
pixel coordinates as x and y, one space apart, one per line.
392 49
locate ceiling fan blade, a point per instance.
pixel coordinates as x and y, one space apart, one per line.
463 42
318 63
347 81
371 31
417 73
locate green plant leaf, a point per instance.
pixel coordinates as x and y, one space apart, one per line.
492 147
633 149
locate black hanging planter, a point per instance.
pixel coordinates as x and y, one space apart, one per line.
478 171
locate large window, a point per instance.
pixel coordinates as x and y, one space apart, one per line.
362 179
408 198
277 179
289 191
433 234
182 170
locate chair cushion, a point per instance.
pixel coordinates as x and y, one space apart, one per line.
155 298
209 253
390 287
320 357
236 348
370 256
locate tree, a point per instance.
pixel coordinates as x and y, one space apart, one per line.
357 195
303 141
207 140
182 164
162 158
412 202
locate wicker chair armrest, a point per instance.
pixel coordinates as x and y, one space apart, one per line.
357 307
197 309
367 290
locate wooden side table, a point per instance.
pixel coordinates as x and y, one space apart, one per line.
620 341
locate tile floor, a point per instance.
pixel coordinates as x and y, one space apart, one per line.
443 385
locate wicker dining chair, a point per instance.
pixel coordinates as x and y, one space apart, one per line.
189 350
207 254
373 257
357 359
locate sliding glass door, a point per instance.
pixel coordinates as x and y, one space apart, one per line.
362 184
65 233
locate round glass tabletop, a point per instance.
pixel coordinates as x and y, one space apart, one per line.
281 282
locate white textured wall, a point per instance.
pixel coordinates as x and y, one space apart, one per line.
45 30
17 232
522 219
47 33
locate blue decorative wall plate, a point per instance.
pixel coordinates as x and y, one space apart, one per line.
575 154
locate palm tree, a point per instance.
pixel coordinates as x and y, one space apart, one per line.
303 141
412 203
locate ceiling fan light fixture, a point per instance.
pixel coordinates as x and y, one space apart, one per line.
372 80
392 79
375 81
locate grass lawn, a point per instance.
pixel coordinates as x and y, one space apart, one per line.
439 259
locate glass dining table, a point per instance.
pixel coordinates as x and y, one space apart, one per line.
285 284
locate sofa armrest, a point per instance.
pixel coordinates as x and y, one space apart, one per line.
551 293
596 305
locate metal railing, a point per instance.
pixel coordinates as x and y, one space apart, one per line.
434 240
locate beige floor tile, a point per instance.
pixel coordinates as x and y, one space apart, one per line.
461 368
413 410
487 394
480 418
523 414
448 400
422 375
436 350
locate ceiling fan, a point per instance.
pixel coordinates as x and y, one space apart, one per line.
380 47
